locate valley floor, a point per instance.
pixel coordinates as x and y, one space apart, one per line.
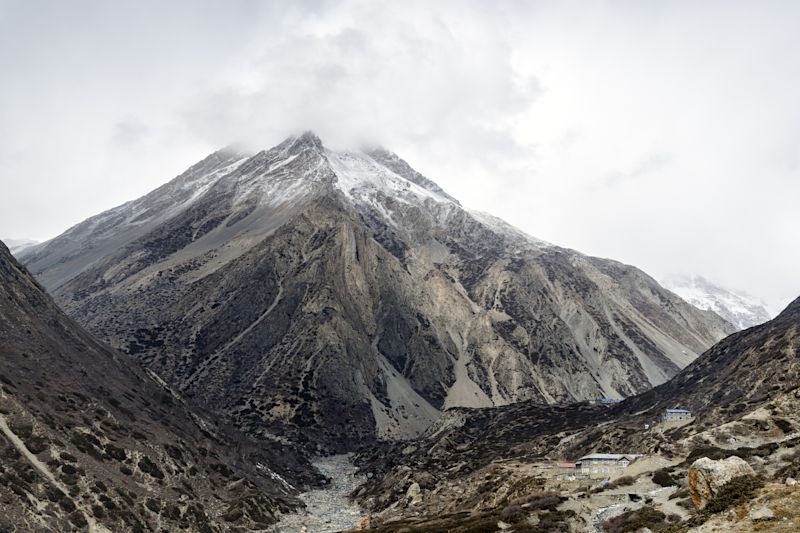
330 509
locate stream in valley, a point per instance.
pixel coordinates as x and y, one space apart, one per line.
328 509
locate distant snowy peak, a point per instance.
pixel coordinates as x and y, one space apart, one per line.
17 245
738 308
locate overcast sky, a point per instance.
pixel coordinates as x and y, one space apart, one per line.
661 134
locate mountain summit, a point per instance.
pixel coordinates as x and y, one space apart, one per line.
336 296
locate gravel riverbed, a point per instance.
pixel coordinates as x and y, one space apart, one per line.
329 509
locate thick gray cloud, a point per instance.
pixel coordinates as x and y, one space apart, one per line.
666 135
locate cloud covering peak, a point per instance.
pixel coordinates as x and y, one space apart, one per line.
663 135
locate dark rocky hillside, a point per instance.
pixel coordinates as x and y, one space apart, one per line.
89 442
737 374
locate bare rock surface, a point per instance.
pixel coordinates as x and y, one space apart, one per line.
746 386
762 513
707 476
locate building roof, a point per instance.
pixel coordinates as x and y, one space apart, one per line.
678 411
608 456
565 465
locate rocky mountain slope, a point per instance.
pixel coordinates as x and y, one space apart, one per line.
332 297
747 383
744 393
89 442
740 373
741 310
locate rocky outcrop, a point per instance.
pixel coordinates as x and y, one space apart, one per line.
707 476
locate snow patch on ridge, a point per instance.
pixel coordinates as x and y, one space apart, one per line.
358 173
505 229
738 308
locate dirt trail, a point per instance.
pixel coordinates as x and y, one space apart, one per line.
43 469
258 321
212 359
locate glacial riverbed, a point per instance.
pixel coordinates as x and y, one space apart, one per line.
329 509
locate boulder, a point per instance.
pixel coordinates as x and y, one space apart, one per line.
762 513
791 481
706 476
413 494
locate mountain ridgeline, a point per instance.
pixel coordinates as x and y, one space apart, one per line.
334 297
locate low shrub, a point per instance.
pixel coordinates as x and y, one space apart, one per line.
734 492
513 513
623 481
664 478
715 453
36 444
790 470
148 466
68 457
543 500
680 493
783 425
645 517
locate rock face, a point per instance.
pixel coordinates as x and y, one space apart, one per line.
762 513
333 297
89 442
706 476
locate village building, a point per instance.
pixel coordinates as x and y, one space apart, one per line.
604 464
566 472
674 415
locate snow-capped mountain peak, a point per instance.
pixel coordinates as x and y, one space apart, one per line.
737 307
348 284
